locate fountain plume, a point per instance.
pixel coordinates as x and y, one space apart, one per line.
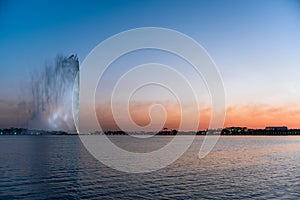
53 90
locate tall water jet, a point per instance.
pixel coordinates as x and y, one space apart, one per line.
55 93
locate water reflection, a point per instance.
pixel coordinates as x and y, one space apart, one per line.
38 167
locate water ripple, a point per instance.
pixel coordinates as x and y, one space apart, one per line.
50 167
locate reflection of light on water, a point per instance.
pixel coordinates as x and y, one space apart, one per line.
236 152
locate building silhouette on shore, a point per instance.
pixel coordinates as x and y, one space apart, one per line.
269 130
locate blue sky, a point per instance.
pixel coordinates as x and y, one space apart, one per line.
255 44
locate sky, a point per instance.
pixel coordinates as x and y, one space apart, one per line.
255 45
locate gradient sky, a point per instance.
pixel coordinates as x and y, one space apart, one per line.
255 44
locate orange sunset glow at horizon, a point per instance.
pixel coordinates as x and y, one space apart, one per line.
252 116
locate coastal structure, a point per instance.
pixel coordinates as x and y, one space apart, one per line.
225 131
276 128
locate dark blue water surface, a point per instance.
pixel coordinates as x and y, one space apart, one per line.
49 167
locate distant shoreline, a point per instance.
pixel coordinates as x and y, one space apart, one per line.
232 131
70 135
